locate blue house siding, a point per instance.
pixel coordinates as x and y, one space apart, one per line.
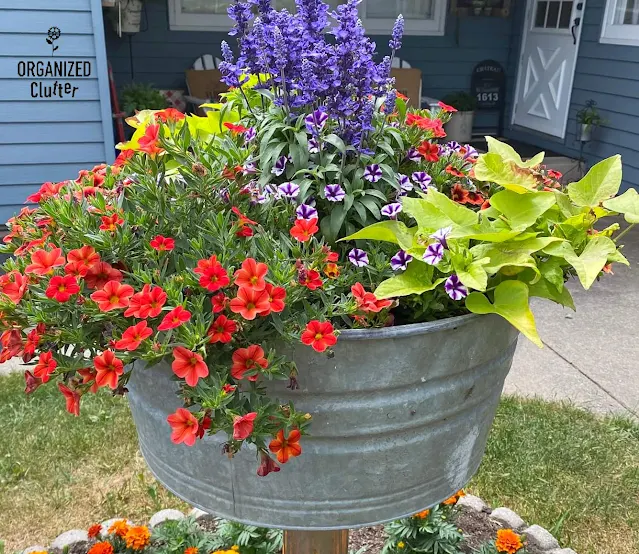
606 73
50 139
160 56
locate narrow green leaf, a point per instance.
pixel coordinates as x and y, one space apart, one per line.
337 142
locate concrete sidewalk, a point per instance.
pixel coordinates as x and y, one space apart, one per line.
590 357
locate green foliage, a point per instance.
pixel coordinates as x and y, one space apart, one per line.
462 101
141 96
173 537
433 534
589 115
250 539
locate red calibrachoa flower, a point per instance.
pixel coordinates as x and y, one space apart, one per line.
311 279
47 190
100 274
162 244
30 345
219 303
111 222
184 425
133 336
146 303
235 129
188 365
243 426
248 359
446 107
123 157
45 367
150 142
31 382
243 222
72 398
276 297
108 369
304 229
76 269
320 335
113 296
367 301
286 447
13 285
454 172
228 389
62 288
169 115
250 303
203 426
251 276
11 341
176 317
267 465
213 276
222 330
85 257
89 375
44 262
429 151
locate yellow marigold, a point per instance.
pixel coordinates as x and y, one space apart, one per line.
40 552
422 515
453 499
101 548
137 538
400 544
119 528
508 541
235 547
191 550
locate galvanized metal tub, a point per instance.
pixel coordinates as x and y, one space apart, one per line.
400 421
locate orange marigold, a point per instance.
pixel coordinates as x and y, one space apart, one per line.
137 538
422 515
101 548
119 528
94 531
508 541
453 499
191 550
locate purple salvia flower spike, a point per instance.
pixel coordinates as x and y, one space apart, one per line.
397 34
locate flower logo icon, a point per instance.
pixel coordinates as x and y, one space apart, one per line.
53 34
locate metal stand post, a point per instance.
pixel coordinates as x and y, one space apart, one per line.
316 542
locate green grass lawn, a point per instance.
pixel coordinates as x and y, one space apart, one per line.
573 473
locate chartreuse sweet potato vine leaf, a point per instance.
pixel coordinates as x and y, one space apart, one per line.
493 168
626 204
599 184
589 264
387 231
515 253
436 211
522 210
417 279
509 154
511 303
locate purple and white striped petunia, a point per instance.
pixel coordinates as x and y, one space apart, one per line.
249 168
404 182
470 152
313 146
250 135
400 261
316 121
413 155
290 190
453 145
304 211
434 253
280 166
422 179
441 235
454 288
373 173
391 210
358 257
334 193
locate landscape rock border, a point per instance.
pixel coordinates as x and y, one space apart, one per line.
503 516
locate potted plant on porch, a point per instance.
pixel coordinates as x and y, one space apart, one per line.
588 119
304 280
460 126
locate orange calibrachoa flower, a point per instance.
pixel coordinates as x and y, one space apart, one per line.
319 335
508 541
137 538
188 365
100 274
13 285
248 359
113 296
331 271
162 244
62 288
101 548
367 301
286 448
150 142
146 303
429 151
276 297
133 336
111 222
169 115
250 303
84 257
243 426
251 276
222 330
44 262
45 367
213 276
304 229
184 427
108 368
176 317
119 528
94 531
72 398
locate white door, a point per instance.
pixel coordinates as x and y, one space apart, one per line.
547 65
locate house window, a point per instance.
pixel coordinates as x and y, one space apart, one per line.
621 22
423 17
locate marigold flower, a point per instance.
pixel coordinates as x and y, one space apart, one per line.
176 317
249 303
243 426
133 336
31 382
110 222
276 296
45 367
100 274
84 257
62 288
429 151
162 244
101 548
72 398
304 229
108 368
222 330
113 296
267 465
44 262
150 142
310 279
248 359
422 515
453 499
120 528
191 550
13 285
319 335
367 301
94 531
137 538
251 276
286 448
184 427
508 541
189 365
